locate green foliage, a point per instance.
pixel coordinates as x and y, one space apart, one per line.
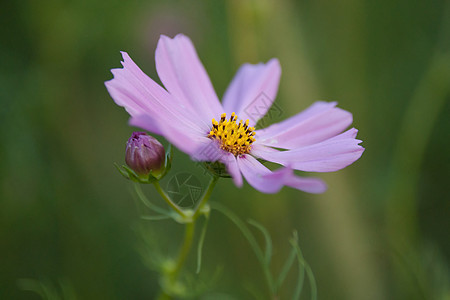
65 213
200 244
47 290
265 257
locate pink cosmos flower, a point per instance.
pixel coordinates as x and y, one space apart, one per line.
189 115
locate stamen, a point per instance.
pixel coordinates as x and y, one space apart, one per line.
233 137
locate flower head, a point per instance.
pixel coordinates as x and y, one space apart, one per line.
144 154
189 114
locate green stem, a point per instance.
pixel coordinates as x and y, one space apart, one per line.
143 198
172 275
168 200
205 198
184 251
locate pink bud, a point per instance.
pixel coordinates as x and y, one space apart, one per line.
144 154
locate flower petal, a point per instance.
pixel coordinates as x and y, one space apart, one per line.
232 168
317 123
307 184
315 108
259 176
183 138
208 151
266 181
184 76
330 155
253 90
152 108
146 122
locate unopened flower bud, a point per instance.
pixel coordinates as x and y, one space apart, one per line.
144 154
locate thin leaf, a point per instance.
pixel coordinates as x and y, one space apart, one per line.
242 227
121 171
45 290
303 266
251 240
268 240
254 291
68 292
155 218
147 203
312 281
301 271
168 161
286 267
200 245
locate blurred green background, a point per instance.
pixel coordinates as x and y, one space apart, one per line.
68 218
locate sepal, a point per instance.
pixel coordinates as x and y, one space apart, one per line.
131 175
217 169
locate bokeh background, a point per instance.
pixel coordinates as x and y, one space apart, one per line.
69 220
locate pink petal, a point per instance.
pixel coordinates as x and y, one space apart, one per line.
253 90
146 122
307 184
266 181
208 151
184 139
232 168
316 124
152 108
327 156
184 76
315 108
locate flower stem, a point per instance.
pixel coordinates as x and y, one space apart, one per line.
171 276
205 198
168 200
184 251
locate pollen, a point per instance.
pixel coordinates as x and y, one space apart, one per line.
234 137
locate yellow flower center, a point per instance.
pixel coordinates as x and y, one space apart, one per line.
233 137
